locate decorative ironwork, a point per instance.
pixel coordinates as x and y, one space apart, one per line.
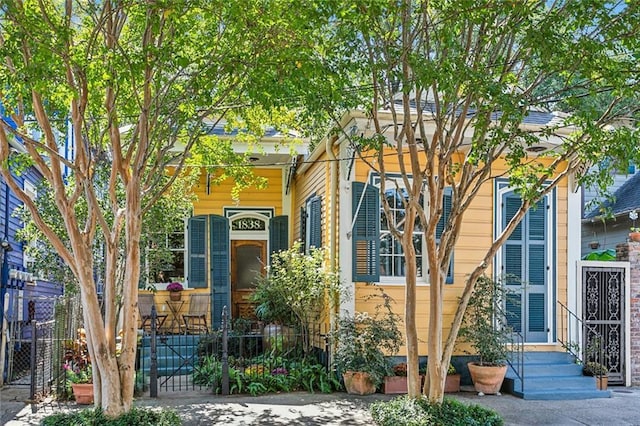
603 310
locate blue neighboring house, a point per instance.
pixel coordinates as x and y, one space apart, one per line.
24 297
599 234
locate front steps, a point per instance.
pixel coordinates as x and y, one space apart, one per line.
175 354
552 376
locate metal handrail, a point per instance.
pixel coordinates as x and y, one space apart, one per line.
575 348
515 345
572 347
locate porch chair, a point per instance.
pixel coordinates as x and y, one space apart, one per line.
145 301
195 321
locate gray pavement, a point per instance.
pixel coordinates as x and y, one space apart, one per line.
300 408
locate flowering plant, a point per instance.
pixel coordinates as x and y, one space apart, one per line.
77 363
175 286
400 369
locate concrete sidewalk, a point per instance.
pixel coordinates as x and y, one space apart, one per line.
300 408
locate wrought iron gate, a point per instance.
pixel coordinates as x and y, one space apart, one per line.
603 310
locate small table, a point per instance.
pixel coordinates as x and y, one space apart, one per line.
174 308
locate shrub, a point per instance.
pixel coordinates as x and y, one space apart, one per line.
405 411
95 417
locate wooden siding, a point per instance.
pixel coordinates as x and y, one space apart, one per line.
477 231
219 196
314 181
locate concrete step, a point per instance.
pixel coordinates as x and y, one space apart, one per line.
552 376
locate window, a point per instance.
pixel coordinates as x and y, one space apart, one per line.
392 261
165 256
28 261
377 255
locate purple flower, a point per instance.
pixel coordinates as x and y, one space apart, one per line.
174 287
279 370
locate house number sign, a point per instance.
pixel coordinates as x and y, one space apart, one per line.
248 224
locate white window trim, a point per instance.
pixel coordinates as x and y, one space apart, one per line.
374 179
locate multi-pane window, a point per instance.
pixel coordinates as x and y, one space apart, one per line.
28 261
165 258
392 260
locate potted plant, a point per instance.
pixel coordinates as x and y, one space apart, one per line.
452 382
175 290
397 383
361 343
77 369
484 329
598 371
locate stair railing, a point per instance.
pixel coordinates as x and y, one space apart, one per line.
573 326
594 351
514 344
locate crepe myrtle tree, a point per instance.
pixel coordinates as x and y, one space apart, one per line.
452 82
106 98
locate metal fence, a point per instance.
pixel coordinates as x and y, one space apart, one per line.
179 362
34 347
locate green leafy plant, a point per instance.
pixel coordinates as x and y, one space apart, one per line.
484 325
363 339
95 417
297 289
593 368
406 411
452 369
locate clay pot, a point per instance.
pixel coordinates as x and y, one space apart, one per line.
83 393
487 379
358 383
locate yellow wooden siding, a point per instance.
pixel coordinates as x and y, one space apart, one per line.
314 181
220 195
476 232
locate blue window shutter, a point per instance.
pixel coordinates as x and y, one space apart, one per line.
446 212
197 273
536 313
219 238
366 233
315 222
278 234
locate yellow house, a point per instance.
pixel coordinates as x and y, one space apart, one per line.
328 197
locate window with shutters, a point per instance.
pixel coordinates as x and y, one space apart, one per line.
387 250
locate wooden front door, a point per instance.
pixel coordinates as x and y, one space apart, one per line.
248 259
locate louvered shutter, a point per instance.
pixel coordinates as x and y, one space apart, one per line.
366 233
278 234
446 211
197 234
219 238
536 270
315 222
513 254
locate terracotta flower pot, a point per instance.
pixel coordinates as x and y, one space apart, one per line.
602 382
487 379
83 393
395 384
358 383
452 383
175 295
634 236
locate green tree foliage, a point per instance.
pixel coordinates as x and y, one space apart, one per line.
457 80
108 97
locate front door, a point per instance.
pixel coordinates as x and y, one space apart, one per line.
525 268
248 259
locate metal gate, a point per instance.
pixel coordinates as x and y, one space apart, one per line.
603 311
